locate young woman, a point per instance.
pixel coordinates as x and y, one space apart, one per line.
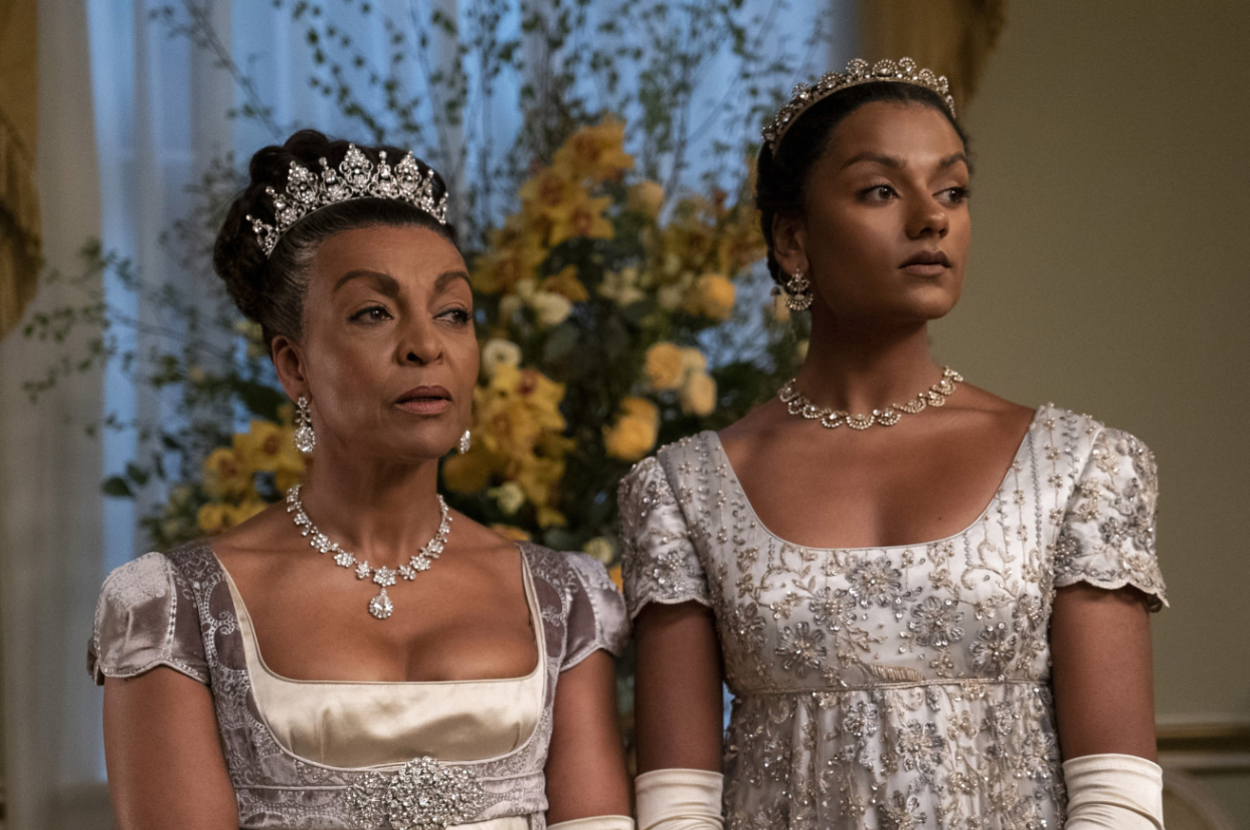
426 673
932 613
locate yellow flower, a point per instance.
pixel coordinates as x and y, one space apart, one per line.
646 197
213 517
714 296
600 549
550 517
285 479
267 447
498 352
550 192
246 510
516 534
698 395
515 251
596 151
663 366
614 573
538 477
635 431
567 284
800 350
466 473
581 218
692 360
225 473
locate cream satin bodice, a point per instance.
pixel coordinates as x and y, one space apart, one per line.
355 724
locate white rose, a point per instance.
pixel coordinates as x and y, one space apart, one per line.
509 496
670 296
499 352
600 548
509 305
552 309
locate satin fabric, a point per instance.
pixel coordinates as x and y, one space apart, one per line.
350 724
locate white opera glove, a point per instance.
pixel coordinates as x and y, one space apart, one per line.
595 823
1118 792
679 799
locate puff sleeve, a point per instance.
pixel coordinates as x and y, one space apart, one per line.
596 612
1107 537
659 562
145 618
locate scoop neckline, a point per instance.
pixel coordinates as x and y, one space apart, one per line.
531 604
736 483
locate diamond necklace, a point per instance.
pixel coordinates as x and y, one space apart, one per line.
380 606
798 404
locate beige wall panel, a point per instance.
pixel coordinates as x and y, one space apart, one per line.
1111 275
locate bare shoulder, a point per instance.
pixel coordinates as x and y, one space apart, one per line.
761 426
981 410
472 536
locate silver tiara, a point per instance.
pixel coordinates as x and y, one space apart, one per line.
355 178
857 72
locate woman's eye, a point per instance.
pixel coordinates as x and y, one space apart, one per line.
956 195
878 193
372 314
457 316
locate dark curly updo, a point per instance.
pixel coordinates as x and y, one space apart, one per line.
270 291
781 183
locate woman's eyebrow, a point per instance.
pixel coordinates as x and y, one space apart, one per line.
387 284
447 277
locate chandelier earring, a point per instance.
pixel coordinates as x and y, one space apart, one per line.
466 442
305 438
798 291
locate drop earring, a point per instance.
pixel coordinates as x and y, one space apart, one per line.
466 442
798 291
305 438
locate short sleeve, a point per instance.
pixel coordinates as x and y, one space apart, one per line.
658 559
596 612
1107 538
143 620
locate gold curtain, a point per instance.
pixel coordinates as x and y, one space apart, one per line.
952 37
20 242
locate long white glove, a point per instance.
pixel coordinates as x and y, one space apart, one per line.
679 799
1113 792
595 823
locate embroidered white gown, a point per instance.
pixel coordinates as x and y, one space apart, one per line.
904 687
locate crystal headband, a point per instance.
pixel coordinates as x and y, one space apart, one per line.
355 178
857 72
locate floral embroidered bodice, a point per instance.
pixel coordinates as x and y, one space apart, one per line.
902 687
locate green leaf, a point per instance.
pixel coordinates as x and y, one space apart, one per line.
117 487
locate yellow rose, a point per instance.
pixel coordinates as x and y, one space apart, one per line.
663 366
600 549
285 479
716 296
692 360
225 473
646 197
641 408
498 352
698 395
466 473
614 573
516 534
551 191
213 517
515 251
267 446
635 431
567 284
538 476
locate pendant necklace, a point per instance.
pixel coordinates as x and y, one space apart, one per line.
380 607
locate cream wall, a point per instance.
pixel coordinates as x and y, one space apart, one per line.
1111 275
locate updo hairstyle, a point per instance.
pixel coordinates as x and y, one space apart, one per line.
781 181
271 291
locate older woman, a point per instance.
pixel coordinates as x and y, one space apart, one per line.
930 602
410 668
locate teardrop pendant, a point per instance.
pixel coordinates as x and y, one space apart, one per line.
380 606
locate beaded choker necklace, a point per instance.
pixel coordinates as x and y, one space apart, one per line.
798 404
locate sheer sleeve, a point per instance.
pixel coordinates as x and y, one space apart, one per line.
1108 533
146 618
596 612
659 562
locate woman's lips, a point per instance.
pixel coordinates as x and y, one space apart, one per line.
926 264
425 400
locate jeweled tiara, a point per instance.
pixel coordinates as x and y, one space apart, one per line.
857 72
355 178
